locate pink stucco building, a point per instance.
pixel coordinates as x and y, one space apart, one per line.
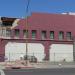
49 35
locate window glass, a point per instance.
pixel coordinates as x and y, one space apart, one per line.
43 34
17 31
68 35
3 33
25 33
8 32
61 35
33 34
51 34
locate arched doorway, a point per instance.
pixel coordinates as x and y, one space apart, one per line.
14 51
61 52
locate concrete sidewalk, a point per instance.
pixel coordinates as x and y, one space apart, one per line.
9 65
16 64
54 65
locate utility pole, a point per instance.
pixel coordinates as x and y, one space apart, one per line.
27 32
74 49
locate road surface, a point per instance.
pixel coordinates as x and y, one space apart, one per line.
61 71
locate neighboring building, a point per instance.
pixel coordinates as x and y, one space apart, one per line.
50 37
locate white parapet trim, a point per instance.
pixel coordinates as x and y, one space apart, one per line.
15 23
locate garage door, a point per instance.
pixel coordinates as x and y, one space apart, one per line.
14 51
61 52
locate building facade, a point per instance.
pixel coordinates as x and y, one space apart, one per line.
49 37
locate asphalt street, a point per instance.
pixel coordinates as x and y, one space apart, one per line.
60 71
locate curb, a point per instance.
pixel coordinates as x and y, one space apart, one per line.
19 67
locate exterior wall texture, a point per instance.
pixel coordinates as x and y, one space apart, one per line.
44 22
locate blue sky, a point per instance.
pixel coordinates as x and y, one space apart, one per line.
17 8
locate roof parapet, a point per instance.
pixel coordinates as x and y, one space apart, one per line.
69 13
